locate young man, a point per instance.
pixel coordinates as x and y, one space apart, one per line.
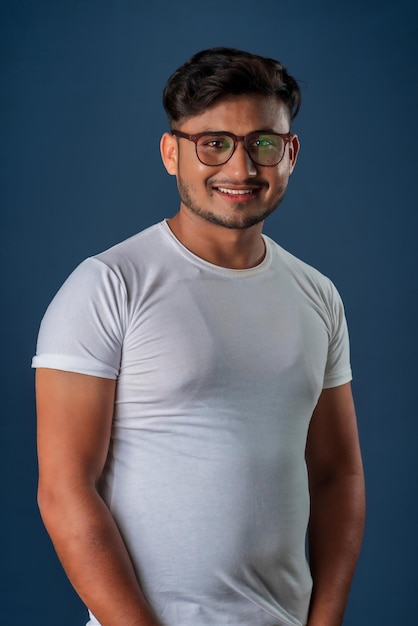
194 403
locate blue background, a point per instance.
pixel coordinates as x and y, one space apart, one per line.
81 119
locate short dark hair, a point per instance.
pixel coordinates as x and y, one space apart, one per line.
218 73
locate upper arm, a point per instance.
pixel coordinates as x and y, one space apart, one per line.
333 448
74 413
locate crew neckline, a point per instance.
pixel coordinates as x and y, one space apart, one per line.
226 271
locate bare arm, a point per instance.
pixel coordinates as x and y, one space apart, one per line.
74 423
337 503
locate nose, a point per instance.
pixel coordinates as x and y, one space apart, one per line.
240 166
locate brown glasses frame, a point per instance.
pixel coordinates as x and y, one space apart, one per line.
235 138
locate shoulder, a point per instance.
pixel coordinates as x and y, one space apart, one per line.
312 289
119 266
134 249
301 273
106 278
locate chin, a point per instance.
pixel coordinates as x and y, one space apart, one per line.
239 221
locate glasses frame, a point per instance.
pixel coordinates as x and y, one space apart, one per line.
287 137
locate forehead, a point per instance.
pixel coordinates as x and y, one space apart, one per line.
241 115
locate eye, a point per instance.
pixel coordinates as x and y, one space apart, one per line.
264 142
215 143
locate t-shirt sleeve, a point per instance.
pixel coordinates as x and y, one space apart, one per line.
83 328
338 367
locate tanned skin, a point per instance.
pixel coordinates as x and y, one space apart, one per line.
74 420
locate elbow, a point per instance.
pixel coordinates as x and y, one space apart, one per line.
56 500
48 504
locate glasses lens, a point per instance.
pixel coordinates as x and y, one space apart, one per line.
265 149
214 149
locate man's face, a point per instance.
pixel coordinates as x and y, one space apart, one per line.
239 193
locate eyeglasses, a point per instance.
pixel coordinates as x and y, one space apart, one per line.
217 148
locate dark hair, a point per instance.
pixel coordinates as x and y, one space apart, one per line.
214 74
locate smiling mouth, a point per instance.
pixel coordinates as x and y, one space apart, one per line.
235 192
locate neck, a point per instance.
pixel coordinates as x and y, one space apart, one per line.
226 247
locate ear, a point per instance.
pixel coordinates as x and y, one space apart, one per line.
294 147
169 153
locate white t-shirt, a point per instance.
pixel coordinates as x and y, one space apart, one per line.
218 372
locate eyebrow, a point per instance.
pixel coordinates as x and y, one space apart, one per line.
226 132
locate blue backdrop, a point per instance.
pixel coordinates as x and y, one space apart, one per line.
81 119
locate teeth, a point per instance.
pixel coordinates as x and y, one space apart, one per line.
236 192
